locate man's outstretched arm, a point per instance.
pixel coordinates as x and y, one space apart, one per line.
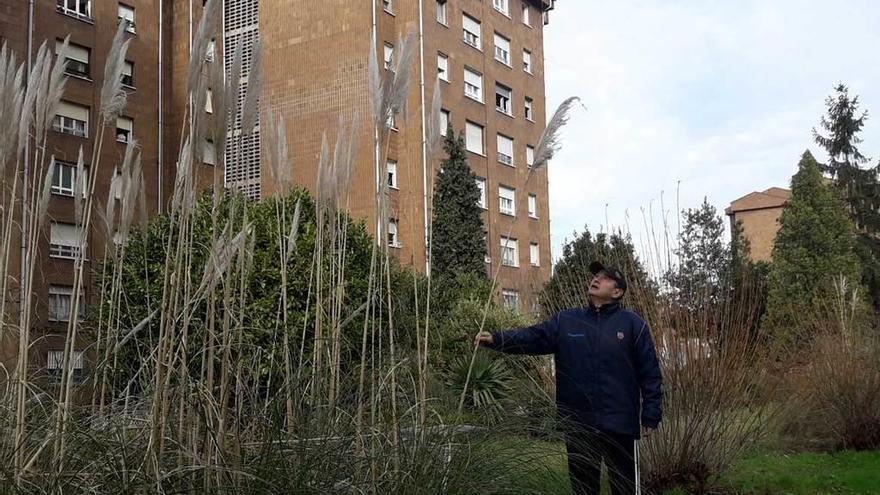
536 339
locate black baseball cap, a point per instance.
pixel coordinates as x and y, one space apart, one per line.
613 273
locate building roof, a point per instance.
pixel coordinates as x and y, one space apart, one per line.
775 197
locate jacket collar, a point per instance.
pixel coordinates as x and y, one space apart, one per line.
605 309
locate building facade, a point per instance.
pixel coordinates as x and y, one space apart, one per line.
758 213
489 58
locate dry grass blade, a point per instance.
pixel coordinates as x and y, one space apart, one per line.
11 100
113 97
250 112
434 130
207 24
134 331
550 143
294 230
375 84
52 82
396 96
79 186
30 97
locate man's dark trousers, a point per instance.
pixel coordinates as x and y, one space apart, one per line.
587 448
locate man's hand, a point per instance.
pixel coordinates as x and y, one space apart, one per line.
483 338
647 432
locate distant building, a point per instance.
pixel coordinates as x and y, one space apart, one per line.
759 214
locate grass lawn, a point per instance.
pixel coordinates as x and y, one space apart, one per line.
844 473
808 473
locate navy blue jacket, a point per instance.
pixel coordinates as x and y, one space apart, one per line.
605 363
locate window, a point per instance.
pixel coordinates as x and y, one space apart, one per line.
509 252
209 153
211 50
474 138
530 155
444 122
526 18
64 240
505 150
529 113
533 206
63 178
126 13
502 49
507 200
510 299
392 174
387 6
128 74
393 239
502 99
389 56
481 185
60 302
77 59
81 9
441 12
71 119
209 101
487 258
55 364
500 6
443 67
471 28
534 254
527 61
473 85
124 128
392 122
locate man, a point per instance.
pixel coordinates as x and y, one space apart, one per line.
605 363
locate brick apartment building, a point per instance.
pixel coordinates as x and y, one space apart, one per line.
489 55
758 212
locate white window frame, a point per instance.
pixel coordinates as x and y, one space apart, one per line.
82 9
473 84
69 120
505 147
391 167
55 364
442 13
481 185
529 109
393 234
526 14
507 201
504 103
388 6
502 6
508 296
509 252
77 59
209 152
530 155
502 53
128 70
527 61
533 206
126 126
65 240
472 31
211 51
61 171
445 115
389 56
471 143
534 254
209 101
443 66
126 12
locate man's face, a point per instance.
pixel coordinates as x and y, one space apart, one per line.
604 287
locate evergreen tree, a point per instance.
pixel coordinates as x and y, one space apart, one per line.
567 288
704 258
859 187
458 244
814 245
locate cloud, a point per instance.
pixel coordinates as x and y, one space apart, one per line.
695 99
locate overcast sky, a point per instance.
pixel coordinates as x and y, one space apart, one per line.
720 96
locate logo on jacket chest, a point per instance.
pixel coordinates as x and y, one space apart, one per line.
620 335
